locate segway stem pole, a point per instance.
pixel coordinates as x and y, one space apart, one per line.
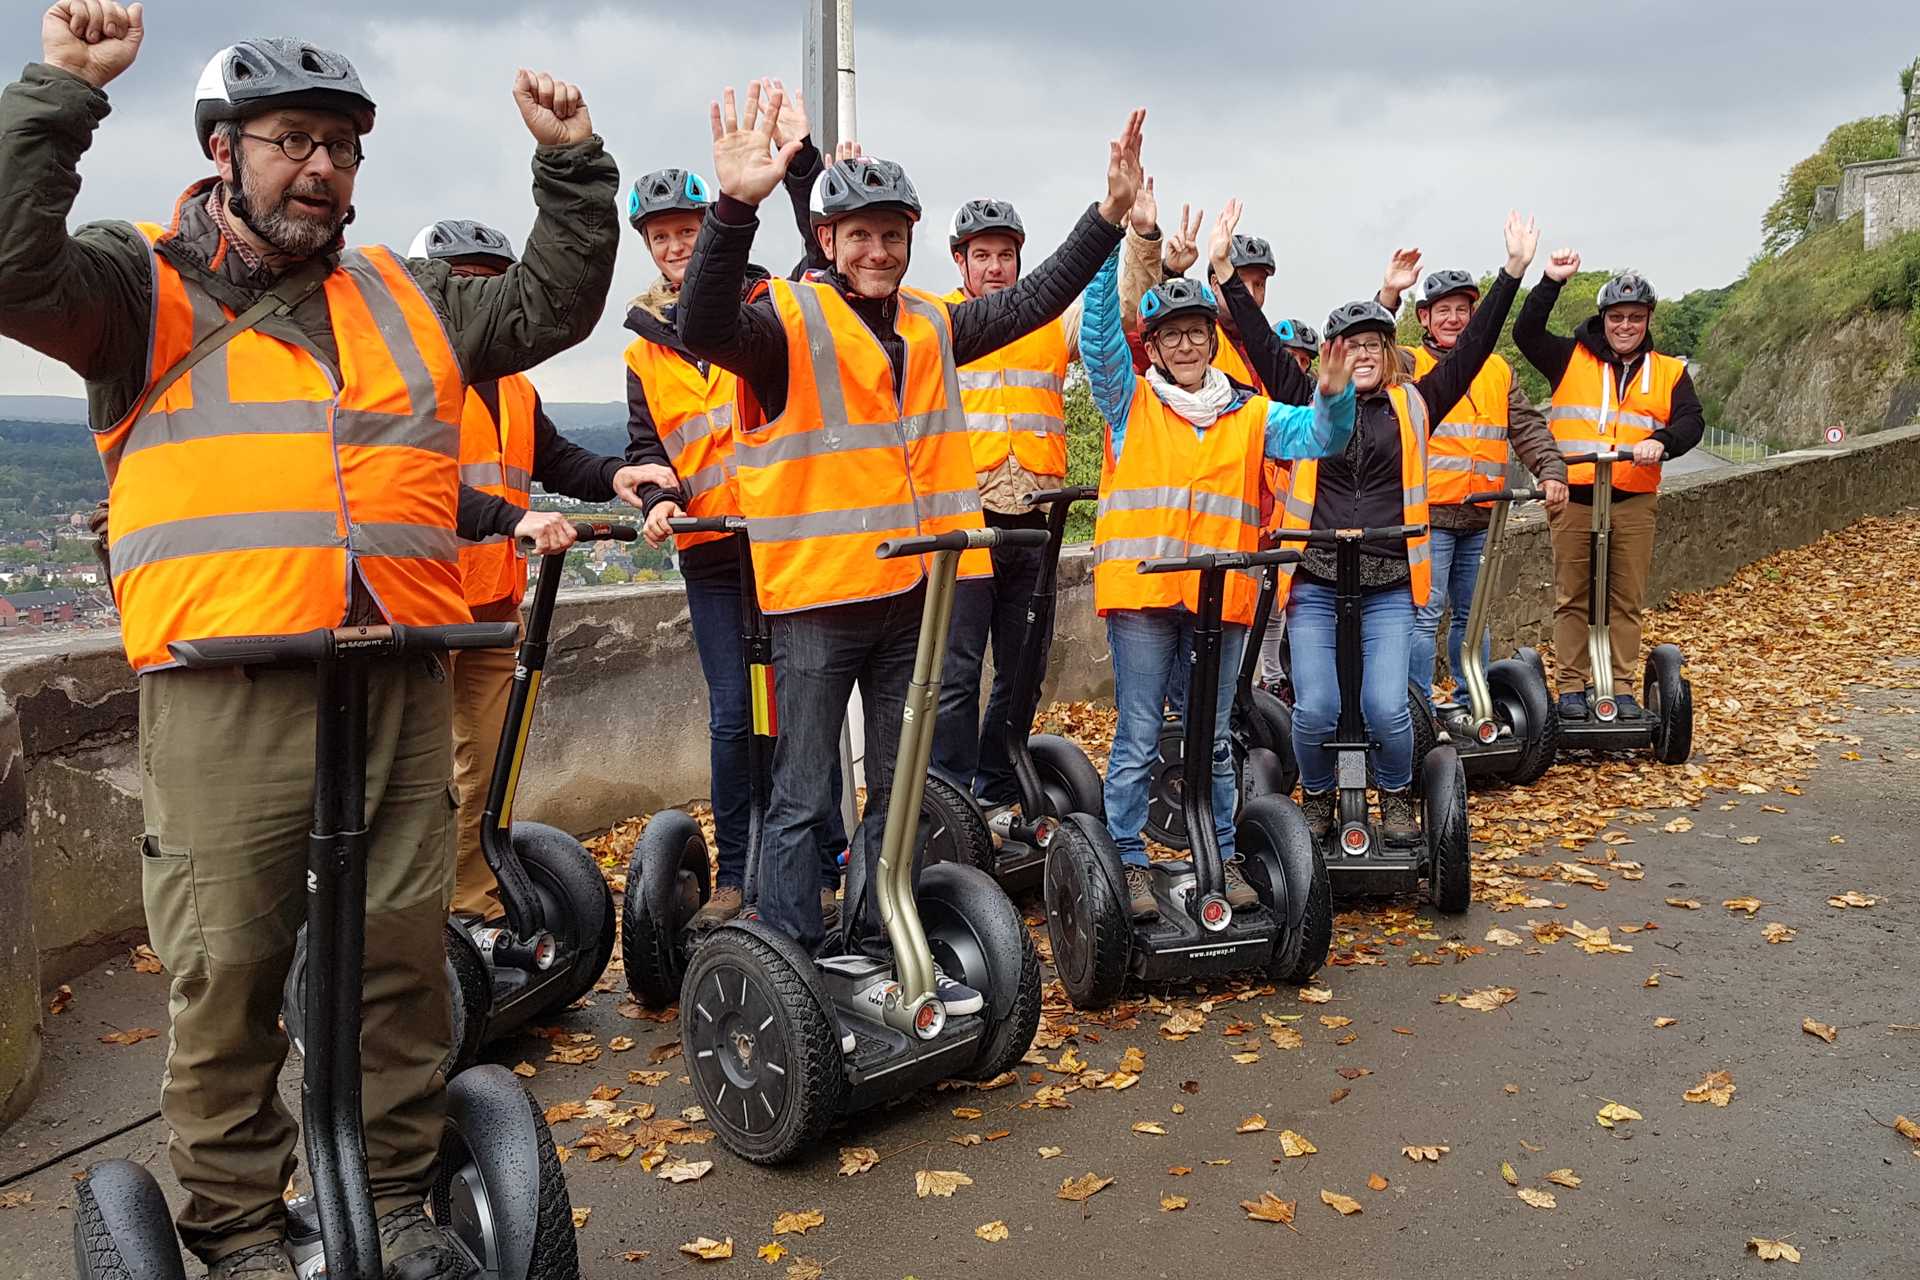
1599 538
1473 665
1203 697
1030 665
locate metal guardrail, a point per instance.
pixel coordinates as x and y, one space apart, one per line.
1734 447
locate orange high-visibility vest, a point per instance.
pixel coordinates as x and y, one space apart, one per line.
1274 478
694 413
1016 401
1227 359
497 458
1468 451
256 488
848 463
1589 415
1175 491
1297 511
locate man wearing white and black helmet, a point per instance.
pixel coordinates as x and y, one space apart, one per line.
1611 390
863 437
338 375
1016 421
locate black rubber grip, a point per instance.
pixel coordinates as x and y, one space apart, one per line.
1217 560
311 646
1018 538
707 524
923 544
603 531
1323 537
1505 495
1072 493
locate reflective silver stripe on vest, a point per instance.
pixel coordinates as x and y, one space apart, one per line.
1415 494
1232 508
478 475
380 430
1148 498
1299 508
826 524
1469 431
987 379
1161 546
953 416
422 427
1571 447
1039 424
1587 413
519 479
949 502
208 535
1419 550
405 541
206 420
699 426
1479 466
704 480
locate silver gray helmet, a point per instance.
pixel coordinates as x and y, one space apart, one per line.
1251 251
984 217
454 239
862 184
1440 284
253 76
667 191
1359 317
1628 286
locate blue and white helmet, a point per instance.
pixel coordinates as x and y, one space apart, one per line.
1177 297
1299 335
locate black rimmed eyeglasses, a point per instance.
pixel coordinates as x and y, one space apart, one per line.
297 146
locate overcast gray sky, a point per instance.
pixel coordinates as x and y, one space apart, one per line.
1643 134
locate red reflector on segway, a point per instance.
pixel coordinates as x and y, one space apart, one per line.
924 1019
1487 731
1212 911
1355 838
1605 709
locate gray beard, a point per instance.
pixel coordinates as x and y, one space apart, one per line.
296 237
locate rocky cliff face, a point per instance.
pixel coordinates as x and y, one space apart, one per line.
1854 376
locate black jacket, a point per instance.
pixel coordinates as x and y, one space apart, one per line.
1271 360
1549 353
746 337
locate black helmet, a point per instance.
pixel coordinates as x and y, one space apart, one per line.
666 191
1175 297
1360 317
1297 334
1442 283
453 239
861 184
984 217
1628 286
245 79
1251 251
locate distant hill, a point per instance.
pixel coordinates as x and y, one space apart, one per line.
43 408
46 468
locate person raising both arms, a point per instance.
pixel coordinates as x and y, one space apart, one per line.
1182 476
1611 390
1378 480
1467 452
865 438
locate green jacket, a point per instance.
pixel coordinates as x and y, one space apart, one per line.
85 298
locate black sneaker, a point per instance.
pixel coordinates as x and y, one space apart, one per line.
1318 806
1140 893
1240 895
1573 706
1397 825
957 996
417 1248
267 1261
1626 706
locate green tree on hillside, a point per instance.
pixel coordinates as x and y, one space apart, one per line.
1868 138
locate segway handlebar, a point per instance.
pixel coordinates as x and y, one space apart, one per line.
592 531
708 524
1072 493
311 646
1217 560
960 540
1385 533
1506 495
1611 455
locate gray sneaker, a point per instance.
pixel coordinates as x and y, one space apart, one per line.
1397 823
1140 891
1240 895
417 1248
255 1262
1318 807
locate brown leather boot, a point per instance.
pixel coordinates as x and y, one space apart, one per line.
723 906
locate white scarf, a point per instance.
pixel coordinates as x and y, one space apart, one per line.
1198 407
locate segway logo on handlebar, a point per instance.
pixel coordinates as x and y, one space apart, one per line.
313 883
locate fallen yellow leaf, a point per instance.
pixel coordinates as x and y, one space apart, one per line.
1774 1250
580 1217
1347 1205
1614 1113
1285 1038
1376 1182
1149 1126
132 1036
685 1171
772 1252
1906 1128
992 1232
1293 1144
1252 1124
1172 1203
1077 1189
1246 1059
1507 1174
1417 1154
1537 1198
967 1113
1487 999
620 1044
1270 1208
1747 903
938 1182
1564 1178
1048 1153
1775 932
857 1160
1664 1022
708 1249
1851 898
1333 1020
1315 995
1717 1088
798 1224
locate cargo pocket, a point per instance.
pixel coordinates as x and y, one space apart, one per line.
173 917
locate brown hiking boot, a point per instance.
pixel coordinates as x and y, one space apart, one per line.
723 906
1318 806
1240 895
255 1262
1140 891
829 911
1397 823
417 1248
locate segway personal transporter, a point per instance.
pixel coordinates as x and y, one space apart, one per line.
1260 730
1359 860
1666 719
780 1044
670 872
557 934
1508 729
1053 774
498 1187
1097 944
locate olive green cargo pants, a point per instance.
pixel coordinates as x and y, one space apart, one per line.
227 763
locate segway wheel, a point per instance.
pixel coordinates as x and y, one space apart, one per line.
978 937
1260 775
1166 817
121 1228
1520 698
1285 867
579 906
1426 735
1071 782
469 989
1444 817
952 828
1668 698
1088 912
668 879
760 1043
1531 656
1274 731
498 1186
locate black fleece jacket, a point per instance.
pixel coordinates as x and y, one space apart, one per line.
1271 360
746 337
1550 352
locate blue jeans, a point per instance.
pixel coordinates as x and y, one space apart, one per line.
1147 645
1386 629
819 656
1456 567
714 607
